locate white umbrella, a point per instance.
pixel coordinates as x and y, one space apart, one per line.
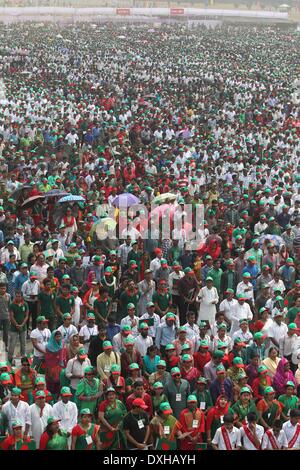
284 5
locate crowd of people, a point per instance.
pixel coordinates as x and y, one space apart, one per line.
137 340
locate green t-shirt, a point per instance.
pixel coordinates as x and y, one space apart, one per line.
47 307
289 403
127 299
163 300
19 311
65 304
292 314
102 307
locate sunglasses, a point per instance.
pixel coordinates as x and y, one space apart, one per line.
176 375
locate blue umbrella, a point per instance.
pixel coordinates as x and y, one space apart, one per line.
56 193
125 200
275 239
71 198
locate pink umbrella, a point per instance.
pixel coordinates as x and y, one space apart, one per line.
161 210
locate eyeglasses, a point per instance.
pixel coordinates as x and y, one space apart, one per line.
176 375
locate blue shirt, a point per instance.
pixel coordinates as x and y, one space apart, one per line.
253 270
21 278
150 366
112 330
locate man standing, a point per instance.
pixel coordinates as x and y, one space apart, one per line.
227 437
39 338
251 433
30 291
143 341
4 313
136 426
15 408
177 391
18 315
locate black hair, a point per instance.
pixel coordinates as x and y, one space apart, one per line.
251 417
228 418
138 383
294 413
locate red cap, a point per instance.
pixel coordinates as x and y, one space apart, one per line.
140 402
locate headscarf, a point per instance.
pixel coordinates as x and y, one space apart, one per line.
53 345
218 410
72 349
282 377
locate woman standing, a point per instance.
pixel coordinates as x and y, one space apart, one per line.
261 382
55 361
92 294
215 416
243 406
16 440
115 381
88 391
150 361
85 435
289 400
166 426
158 396
268 408
192 420
111 414
271 362
134 375
282 376
70 224
188 371
73 346
209 298
54 438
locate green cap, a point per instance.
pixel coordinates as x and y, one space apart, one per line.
175 370
130 306
81 352
171 316
269 390
162 363
129 341
134 366
5 378
187 358
222 326
218 354
220 369
202 325
89 369
201 380
165 408
290 384
115 369
52 420
169 347
262 369
41 319
66 315
90 316
144 326
258 335
245 390
192 399
40 394
150 304
158 385
107 345
16 391
40 380
65 392
292 326
86 411
238 361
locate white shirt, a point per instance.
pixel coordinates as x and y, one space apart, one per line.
76 314
241 288
247 337
128 321
193 334
281 441
38 422
175 277
142 344
238 313
227 307
86 332
68 414
30 288
289 431
5 255
277 331
20 412
42 337
67 332
75 367
248 444
155 265
234 437
152 329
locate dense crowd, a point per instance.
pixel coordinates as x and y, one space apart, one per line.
135 339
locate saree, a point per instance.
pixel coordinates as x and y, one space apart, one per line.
165 429
242 410
191 421
269 412
82 436
113 414
87 389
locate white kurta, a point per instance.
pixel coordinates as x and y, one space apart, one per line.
207 309
239 312
38 422
68 413
20 412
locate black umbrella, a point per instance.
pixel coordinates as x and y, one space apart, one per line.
16 194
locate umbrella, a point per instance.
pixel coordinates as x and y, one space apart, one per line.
125 200
17 192
271 238
71 198
163 198
32 200
102 226
284 5
56 193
